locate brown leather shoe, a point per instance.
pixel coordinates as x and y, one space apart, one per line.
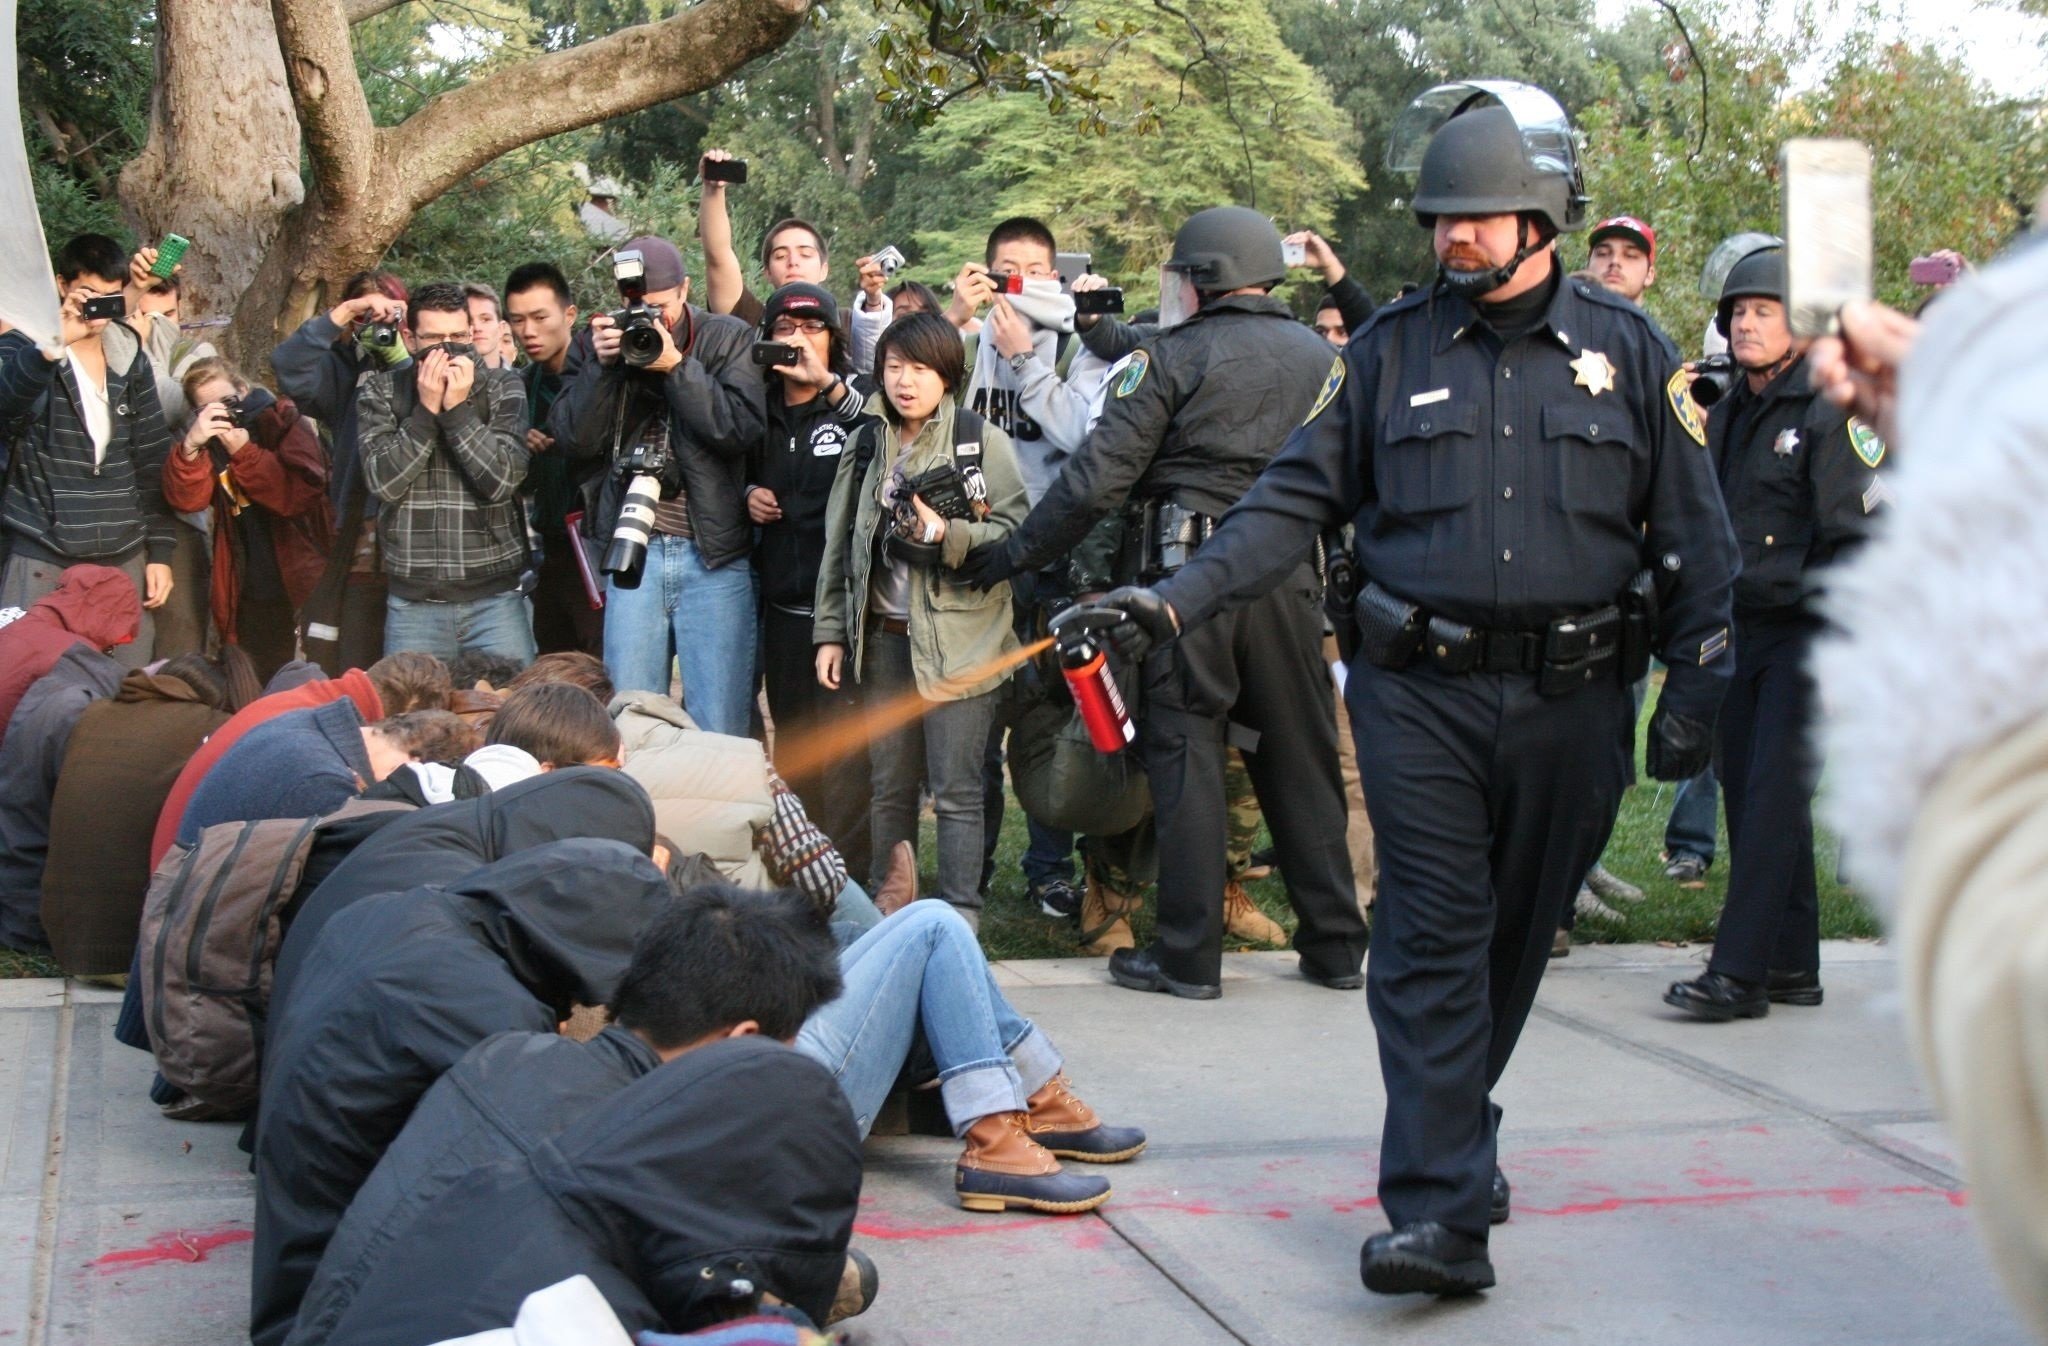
1106 920
1004 1168
899 886
1243 920
857 1286
1065 1126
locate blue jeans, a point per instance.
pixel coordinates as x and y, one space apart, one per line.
684 609
924 968
854 914
499 625
1691 828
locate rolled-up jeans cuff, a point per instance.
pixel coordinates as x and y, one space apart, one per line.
1035 1058
980 1090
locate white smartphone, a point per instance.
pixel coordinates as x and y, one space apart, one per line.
1827 230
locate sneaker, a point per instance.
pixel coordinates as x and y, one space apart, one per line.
1687 870
1058 899
1612 887
1591 908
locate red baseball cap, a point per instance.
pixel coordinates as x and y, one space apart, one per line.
1625 224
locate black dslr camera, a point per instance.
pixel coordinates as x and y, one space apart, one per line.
239 416
948 493
641 467
1716 378
638 322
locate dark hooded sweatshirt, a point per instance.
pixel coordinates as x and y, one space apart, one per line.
736 1160
29 759
445 842
397 988
94 606
501 1101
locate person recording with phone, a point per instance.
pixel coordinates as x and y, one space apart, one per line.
444 451
814 404
673 404
84 476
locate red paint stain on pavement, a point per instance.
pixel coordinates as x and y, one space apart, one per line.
1834 1196
173 1245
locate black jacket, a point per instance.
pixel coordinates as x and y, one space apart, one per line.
798 459
1194 417
1800 478
739 1159
499 1102
713 402
397 988
444 842
37 736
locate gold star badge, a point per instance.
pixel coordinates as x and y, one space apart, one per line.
1594 372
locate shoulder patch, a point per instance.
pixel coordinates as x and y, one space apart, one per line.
1679 394
1333 383
1134 373
1869 447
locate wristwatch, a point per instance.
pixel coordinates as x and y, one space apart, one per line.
1020 362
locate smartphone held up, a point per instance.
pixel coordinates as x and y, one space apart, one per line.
1827 231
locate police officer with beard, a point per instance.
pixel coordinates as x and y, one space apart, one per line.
1528 479
1188 422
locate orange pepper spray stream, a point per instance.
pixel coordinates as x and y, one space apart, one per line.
832 743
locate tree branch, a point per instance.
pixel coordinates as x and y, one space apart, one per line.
321 67
358 10
634 68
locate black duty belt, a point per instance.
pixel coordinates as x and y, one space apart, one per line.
1570 652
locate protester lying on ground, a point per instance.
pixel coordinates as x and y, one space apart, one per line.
717 963
94 606
921 975
393 992
391 686
716 794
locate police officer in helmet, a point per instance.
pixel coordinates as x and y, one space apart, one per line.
1535 513
1190 419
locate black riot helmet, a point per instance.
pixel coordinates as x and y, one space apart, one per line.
1760 274
1228 248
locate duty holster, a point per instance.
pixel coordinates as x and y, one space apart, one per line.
1390 628
1340 591
1640 612
1170 536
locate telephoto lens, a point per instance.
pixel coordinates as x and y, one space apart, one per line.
1716 376
626 558
639 338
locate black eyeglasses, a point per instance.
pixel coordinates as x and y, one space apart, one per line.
789 327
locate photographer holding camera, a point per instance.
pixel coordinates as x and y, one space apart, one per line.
673 403
251 458
444 450
84 479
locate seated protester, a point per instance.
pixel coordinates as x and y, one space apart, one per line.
393 992
391 686
570 666
717 964
420 784
921 975
560 724
696 406
1345 305
321 367
892 618
480 680
716 795
812 407
117 769
444 452
95 607
792 252
445 842
87 449
259 466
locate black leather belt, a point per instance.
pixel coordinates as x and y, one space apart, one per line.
895 626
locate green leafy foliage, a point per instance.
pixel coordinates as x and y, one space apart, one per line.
85 69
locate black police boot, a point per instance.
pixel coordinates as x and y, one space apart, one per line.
1717 998
1793 988
1335 981
1139 970
1503 1199
1424 1259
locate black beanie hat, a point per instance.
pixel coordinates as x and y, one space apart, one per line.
800 299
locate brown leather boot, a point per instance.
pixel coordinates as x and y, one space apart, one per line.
1243 920
1106 920
1004 1168
1065 1126
899 886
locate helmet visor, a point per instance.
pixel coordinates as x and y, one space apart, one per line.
1723 258
1547 136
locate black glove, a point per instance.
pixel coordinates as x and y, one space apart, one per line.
988 565
1678 747
1149 621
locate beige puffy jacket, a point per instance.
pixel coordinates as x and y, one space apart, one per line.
710 791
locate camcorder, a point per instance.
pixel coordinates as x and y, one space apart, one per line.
638 322
641 468
1716 379
725 170
768 354
103 306
1107 300
948 493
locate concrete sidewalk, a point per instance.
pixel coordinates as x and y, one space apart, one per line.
1765 1182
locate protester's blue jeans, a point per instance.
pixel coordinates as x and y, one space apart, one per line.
683 610
498 625
1691 826
924 968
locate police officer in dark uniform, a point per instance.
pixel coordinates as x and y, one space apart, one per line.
1528 479
1801 481
1189 420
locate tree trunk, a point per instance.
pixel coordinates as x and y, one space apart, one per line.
221 165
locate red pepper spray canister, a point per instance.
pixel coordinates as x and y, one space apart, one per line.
1086 668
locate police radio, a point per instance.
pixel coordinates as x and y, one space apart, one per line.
1085 665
